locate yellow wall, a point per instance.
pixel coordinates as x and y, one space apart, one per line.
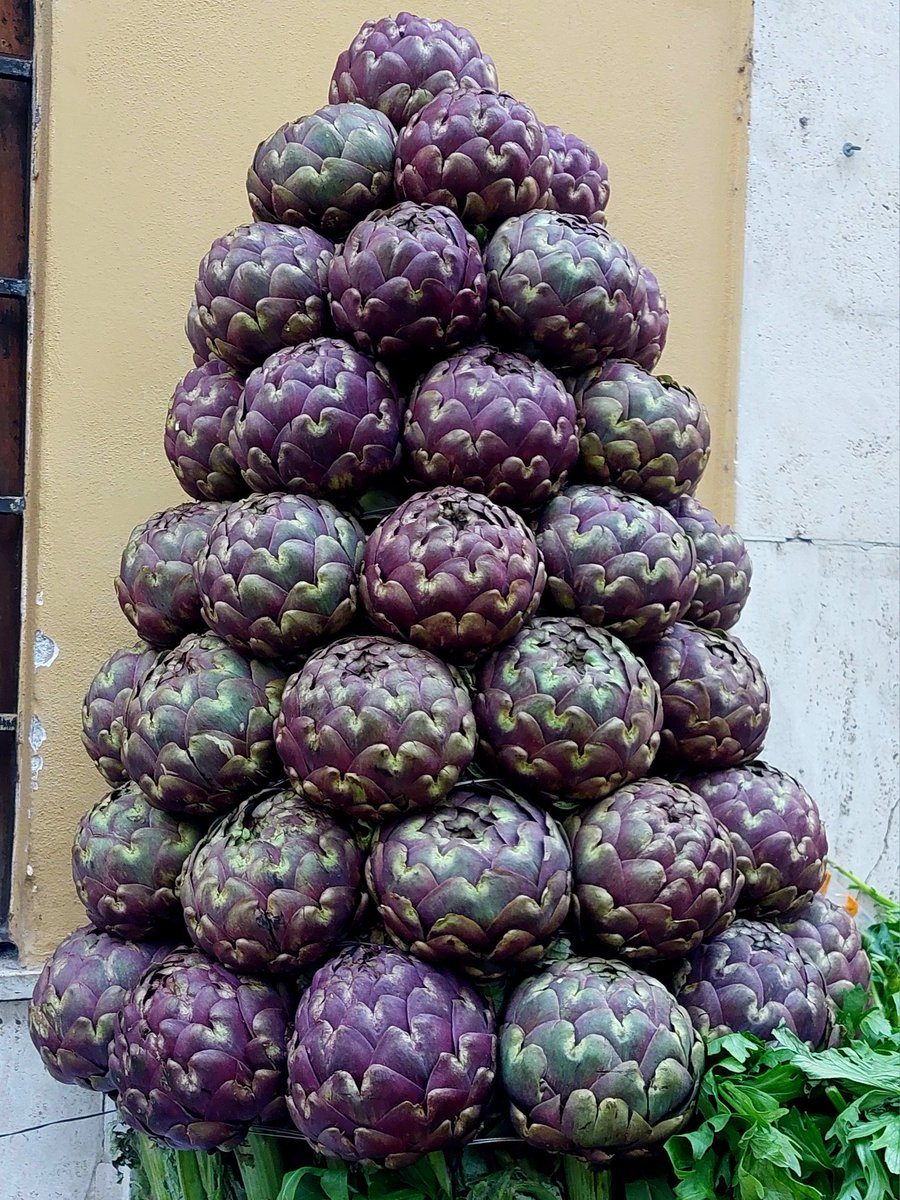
150 112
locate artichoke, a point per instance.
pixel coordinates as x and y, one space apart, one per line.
828 936
155 585
199 727
452 572
724 569
408 281
125 862
373 727
103 709
579 178
617 560
480 884
279 572
76 999
398 64
391 1058
480 152
200 418
598 1060
567 711
199 1053
642 433
777 833
327 170
495 423
751 978
654 872
715 697
272 885
260 287
319 418
572 293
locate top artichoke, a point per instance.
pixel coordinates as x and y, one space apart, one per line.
642 433
495 423
480 152
724 569
200 418
598 1060
391 1058
452 572
399 64
579 180
155 585
408 281
260 287
326 170
571 293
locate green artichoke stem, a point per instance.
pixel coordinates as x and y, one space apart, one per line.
860 885
153 1163
213 1174
584 1182
260 1166
188 1168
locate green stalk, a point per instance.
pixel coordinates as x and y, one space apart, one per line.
188 1170
860 885
213 1174
260 1166
153 1163
584 1182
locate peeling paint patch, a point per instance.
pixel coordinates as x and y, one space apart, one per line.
39 599
37 735
46 650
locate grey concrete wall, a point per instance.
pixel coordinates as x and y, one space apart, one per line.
818 494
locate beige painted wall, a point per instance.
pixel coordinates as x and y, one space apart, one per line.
150 113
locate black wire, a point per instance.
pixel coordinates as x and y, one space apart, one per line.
47 1124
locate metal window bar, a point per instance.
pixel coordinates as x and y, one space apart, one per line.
16 109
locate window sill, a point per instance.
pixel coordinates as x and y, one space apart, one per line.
16 983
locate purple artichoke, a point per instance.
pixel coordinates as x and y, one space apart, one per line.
643 433
655 873
199 1053
155 585
125 862
327 170
319 419
715 697
199 727
103 709
617 560
480 883
571 293
398 64
567 711
373 727
391 1058
76 999
495 423
452 572
724 569
598 1060
828 936
279 572
480 152
408 281
579 178
751 978
260 287
272 885
200 418
777 833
